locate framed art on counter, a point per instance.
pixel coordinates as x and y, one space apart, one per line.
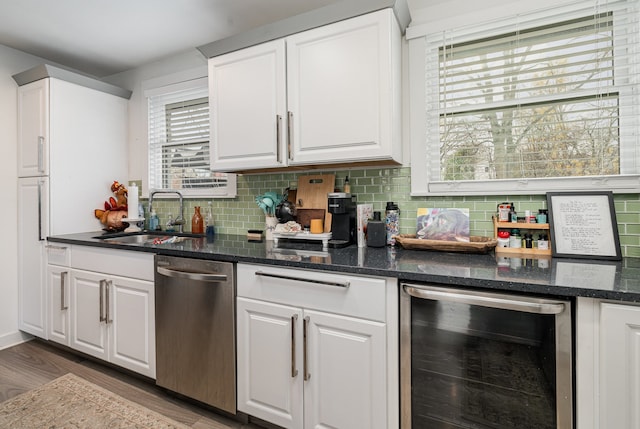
583 225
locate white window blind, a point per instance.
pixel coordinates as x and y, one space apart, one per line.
179 144
547 100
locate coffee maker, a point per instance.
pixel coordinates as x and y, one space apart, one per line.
342 207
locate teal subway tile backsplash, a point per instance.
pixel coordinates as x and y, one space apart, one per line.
377 186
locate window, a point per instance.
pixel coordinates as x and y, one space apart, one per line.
541 101
179 143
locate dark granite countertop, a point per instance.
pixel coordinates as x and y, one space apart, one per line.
553 277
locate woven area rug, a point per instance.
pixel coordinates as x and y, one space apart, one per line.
72 402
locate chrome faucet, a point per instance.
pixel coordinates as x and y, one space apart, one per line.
179 220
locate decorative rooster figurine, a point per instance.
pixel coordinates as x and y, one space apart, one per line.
115 209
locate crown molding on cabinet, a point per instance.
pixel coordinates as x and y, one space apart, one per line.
46 70
306 21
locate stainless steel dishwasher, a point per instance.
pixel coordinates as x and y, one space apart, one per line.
195 330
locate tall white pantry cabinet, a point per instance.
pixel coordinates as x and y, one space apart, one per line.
72 142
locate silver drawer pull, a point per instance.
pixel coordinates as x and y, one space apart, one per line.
300 279
190 275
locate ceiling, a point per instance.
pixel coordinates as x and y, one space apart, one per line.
102 38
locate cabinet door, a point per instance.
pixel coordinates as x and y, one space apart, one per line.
270 362
58 286
32 231
33 129
619 366
248 108
131 319
343 91
346 377
88 308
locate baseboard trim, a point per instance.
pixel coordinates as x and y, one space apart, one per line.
14 338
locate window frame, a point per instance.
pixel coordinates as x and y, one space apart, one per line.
423 98
227 191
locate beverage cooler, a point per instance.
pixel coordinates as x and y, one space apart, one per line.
484 360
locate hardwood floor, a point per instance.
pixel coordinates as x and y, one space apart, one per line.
34 363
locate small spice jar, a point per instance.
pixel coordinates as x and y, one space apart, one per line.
515 240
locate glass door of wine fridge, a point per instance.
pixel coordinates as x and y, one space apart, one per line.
484 360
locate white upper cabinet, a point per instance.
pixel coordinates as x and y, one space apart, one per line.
343 87
326 95
248 108
33 129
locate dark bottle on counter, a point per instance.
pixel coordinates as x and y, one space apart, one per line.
197 223
376 231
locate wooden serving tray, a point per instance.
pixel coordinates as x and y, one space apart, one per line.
477 244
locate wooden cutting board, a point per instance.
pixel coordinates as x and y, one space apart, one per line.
312 194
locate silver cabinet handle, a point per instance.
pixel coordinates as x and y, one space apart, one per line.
305 366
300 279
290 134
63 278
527 305
102 287
41 154
40 237
294 370
190 275
107 317
278 137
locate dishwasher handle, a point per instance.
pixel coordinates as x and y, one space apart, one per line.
191 275
486 300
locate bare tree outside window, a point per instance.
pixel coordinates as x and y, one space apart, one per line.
535 103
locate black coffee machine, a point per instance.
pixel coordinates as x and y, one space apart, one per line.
342 207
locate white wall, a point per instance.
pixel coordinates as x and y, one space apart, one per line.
179 68
11 62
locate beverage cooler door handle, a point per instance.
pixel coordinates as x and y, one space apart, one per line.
534 305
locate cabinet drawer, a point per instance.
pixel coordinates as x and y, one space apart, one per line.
137 265
355 296
58 254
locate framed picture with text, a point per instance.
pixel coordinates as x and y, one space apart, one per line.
583 225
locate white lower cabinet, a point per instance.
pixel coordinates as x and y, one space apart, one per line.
57 287
607 365
111 319
317 349
102 307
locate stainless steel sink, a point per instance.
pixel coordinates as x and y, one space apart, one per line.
146 238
